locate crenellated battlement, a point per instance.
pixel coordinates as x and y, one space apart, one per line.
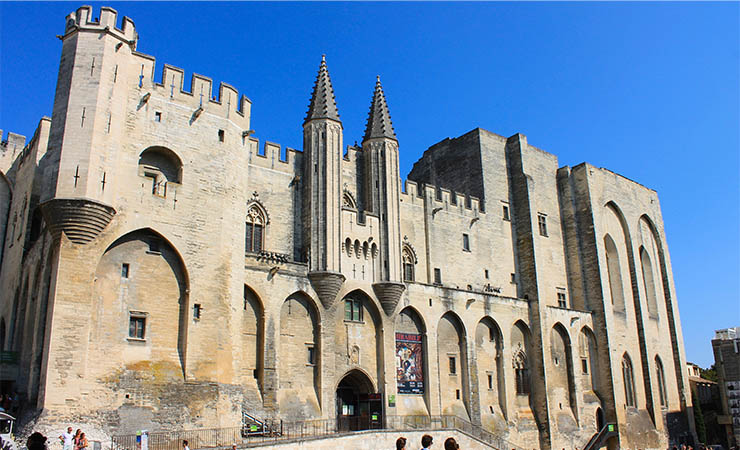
270 156
441 198
13 142
83 19
351 154
228 103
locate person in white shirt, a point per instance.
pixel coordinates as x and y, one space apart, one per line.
185 445
67 439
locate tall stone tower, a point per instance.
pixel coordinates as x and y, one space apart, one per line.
90 96
322 188
380 150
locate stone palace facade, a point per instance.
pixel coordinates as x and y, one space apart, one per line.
162 269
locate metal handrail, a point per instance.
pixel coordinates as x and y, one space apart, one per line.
286 431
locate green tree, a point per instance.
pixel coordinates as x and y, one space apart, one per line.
709 374
701 429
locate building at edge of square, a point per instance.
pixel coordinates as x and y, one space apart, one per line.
534 300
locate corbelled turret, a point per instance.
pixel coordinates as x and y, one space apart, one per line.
382 181
322 189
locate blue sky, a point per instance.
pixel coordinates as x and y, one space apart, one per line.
648 90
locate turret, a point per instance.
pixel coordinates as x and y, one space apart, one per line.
90 91
382 188
322 188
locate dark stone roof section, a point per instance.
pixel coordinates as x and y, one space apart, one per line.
379 119
323 104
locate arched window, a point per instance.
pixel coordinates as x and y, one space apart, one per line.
661 382
648 281
521 373
409 260
161 167
255 232
614 272
629 381
348 201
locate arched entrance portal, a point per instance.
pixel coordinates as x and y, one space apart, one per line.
599 419
359 407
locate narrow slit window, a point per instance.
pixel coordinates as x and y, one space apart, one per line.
124 270
157 116
453 365
466 242
311 355
506 212
221 135
437 275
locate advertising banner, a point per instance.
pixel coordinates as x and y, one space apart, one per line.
409 364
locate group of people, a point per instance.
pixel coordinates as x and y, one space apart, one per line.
9 403
76 441
426 443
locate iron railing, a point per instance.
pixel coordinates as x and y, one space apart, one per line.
172 440
263 432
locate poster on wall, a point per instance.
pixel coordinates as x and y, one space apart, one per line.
409 364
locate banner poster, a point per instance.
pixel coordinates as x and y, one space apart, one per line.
409 364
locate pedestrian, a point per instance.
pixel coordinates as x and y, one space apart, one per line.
185 445
82 442
36 441
426 442
67 439
451 444
401 443
76 439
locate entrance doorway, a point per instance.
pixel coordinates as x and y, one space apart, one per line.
359 407
599 419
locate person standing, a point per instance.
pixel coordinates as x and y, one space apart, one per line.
426 442
76 439
185 445
67 439
401 443
82 442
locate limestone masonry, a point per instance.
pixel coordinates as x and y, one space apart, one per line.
163 270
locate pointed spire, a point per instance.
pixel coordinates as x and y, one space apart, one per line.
379 119
323 105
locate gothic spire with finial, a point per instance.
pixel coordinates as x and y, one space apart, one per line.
379 119
323 104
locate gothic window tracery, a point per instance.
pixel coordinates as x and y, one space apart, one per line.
521 372
409 262
348 201
255 229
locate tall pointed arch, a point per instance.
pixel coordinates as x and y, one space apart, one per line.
489 351
453 365
678 365
150 319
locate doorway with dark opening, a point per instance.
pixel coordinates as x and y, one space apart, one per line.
359 407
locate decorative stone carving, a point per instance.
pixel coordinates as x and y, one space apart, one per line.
81 219
326 285
389 293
